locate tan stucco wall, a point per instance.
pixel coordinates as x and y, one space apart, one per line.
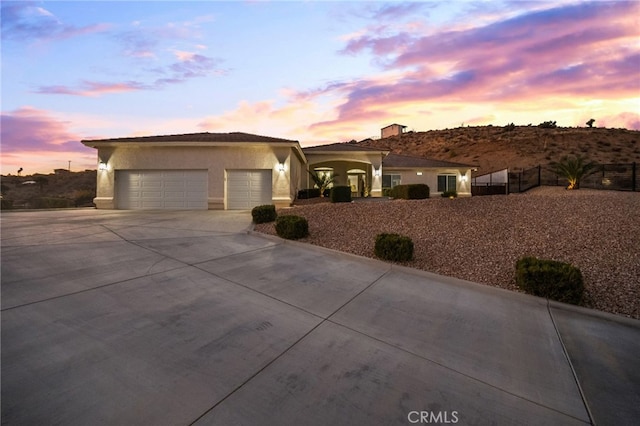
430 178
215 159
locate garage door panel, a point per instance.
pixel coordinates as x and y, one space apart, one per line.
154 189
248 188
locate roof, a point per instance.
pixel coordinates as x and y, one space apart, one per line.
405 161
395 124
340 147
191 137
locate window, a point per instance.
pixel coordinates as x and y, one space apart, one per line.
389 181
446 183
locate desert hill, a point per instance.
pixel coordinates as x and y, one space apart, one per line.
59 189
494 148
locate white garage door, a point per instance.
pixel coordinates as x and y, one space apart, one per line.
162 189
248 188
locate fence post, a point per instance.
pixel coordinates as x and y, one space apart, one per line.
519 182
634 176
539 174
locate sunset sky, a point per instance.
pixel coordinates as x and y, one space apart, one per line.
314 71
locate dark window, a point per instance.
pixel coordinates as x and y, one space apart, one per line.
446 183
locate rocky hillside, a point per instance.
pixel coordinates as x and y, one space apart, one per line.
60 189
515 147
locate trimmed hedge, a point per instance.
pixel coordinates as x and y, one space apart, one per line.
415 191
304 194
447 194
341 194
550 279
292 227
394 247
263 214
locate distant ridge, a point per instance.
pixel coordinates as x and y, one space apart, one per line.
494 148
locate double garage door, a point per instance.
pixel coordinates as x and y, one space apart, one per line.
162 189
188 189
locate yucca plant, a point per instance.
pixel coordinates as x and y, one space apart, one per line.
322 181
574 169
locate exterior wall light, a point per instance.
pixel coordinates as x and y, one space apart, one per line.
463 178
377 172
281 167
102 165
419 173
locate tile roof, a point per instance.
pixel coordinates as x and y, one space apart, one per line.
402 161
194 137
340 147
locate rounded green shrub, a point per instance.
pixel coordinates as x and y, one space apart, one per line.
292 227
394 247
305 194
341 194
263 214
414 191
550 279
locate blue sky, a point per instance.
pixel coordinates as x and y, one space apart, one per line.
318 72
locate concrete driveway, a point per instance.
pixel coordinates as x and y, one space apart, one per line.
187 318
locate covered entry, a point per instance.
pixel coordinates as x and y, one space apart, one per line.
248 188
161 189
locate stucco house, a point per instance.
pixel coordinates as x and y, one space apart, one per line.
240 170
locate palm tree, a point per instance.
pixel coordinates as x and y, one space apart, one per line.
322 181
574 169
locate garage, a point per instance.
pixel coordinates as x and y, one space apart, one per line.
248 188
161 189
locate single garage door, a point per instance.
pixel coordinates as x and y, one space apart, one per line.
162 189
248 188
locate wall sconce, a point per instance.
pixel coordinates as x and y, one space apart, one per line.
102 165
463 178
419 173
281 167
376 172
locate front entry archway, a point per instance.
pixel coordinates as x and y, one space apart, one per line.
357 179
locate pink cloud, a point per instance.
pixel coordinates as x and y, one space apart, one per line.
586 50
91 88
30 129
32 138
191 66
624 120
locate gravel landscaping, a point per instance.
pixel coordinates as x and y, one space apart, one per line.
480 238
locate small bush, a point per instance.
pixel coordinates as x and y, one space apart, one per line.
6 204
394 247
548 125
304 194
292 227
263 214
416 191
447 194
341 194
50 203
551 279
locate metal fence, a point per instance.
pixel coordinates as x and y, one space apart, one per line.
618 177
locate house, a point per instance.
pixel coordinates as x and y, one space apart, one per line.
197 171
240 170
392 130
371 171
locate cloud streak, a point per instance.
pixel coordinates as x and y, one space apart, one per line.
32 138
191 66
584 50
24 21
